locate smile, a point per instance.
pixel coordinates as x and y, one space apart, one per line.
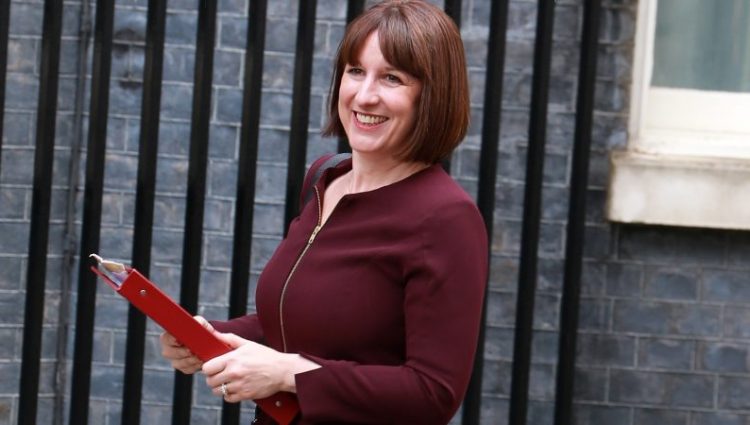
369 119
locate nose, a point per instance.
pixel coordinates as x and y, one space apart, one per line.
367 92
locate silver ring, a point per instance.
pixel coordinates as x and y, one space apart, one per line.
223 389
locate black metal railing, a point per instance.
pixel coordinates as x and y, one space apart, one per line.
488 178
92 209
569 303
144 202
248 155
4 30
532 213
46 113
40 211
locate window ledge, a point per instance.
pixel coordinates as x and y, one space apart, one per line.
679 190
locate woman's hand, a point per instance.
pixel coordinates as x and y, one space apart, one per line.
182 359
252 371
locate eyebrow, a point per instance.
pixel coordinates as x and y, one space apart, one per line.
389 68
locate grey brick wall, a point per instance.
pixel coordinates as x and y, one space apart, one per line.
664 311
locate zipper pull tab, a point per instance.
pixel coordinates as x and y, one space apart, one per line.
314 233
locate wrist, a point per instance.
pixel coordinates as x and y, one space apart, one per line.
294 364
288 383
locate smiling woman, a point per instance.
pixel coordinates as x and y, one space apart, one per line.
377 102
369 309
420 43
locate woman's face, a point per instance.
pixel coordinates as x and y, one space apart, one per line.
377 102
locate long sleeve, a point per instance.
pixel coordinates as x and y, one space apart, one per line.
247 327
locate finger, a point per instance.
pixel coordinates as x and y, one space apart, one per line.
232 340
216 390
214 366
187 366
167 338
188 370
176 353
232 398
202 320
229 395
215 380
188 361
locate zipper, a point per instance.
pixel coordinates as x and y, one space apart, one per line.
315 232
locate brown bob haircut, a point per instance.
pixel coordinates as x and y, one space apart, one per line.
420 39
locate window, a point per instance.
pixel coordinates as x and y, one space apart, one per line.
688 154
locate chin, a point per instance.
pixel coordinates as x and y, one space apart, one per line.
365 146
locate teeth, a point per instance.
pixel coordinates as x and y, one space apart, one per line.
369 119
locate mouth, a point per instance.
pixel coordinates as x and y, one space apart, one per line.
369 120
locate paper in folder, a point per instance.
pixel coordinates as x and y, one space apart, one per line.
157 305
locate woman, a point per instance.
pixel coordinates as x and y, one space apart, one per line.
369 309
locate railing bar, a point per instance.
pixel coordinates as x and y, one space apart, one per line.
300 107
40 212
471 412
248 155
4 30
531 214
569 304
452 8
246 174
196 189
92 211
70 242
144 203
354 8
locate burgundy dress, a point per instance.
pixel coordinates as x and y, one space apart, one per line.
386 297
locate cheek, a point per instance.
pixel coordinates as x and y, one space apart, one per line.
407 104
343 111
345 87
345 97
341 107
410 111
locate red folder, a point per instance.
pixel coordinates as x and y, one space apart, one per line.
157 305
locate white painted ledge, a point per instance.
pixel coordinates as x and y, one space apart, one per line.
679 190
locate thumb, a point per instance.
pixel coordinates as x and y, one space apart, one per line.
202 320
217 364
231 340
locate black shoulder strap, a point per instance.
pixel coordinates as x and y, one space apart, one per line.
328 163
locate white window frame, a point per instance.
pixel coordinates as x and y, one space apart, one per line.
687 162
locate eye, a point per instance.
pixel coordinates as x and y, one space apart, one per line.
354 70
393 79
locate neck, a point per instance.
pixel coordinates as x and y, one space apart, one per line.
370 175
